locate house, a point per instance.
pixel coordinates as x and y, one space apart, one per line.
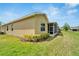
36 23
76 28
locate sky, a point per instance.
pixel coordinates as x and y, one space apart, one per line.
56 12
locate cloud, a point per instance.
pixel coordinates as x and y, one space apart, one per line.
62 15
72 11
71 5
48 10
67 13
51 11
8 16
54 11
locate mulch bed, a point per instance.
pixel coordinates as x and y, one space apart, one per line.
26 40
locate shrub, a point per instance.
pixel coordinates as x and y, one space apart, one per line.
40 37
2 33
35 37
44 35
28 37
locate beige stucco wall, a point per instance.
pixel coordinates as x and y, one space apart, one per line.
22 27
20 32
41 19
3 28
30 25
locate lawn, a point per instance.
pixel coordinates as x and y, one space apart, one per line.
66 45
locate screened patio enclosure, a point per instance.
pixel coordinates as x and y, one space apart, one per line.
52 28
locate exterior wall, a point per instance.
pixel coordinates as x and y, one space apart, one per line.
39 21
28 26
20 32
22 27
3 28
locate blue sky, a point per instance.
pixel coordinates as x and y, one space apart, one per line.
56 12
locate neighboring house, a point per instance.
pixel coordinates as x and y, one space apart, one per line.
75 28
32 24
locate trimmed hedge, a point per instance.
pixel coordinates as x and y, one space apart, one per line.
36 37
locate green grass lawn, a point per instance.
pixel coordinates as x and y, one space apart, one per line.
66 45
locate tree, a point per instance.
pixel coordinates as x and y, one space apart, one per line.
66 27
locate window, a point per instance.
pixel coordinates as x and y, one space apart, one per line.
12 27
7 28
42 27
